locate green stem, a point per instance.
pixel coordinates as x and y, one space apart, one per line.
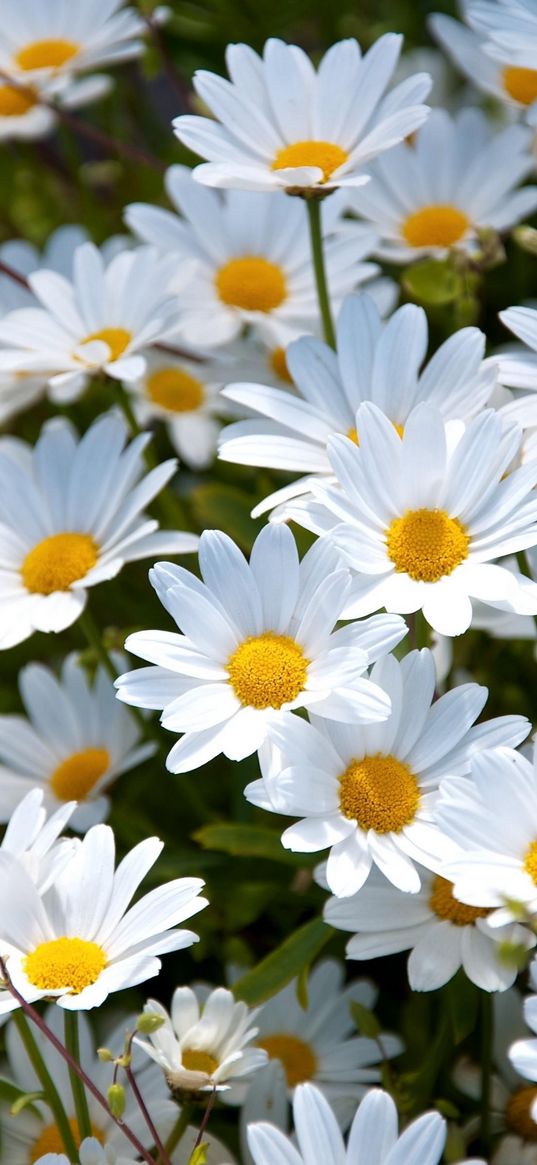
317 254
487 1040
422 630
72 1043
179 1129
51 1092
93 637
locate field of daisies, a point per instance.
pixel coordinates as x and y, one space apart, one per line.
268 582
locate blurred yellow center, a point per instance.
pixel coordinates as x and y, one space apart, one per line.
426 544
267 670
518 1113
326 155
352 433
50 1141
298 1060
75 963
379 792
278 363
15 102
530 861
175 390
117 339
46 54
75 777
520 84
444 904
251 283
435 226
196 1061
57 562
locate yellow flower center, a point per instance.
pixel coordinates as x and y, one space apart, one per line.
427 544
75 963
435 226
267 670
520 84
117 339
518 1113
46 54
175 390
379 792
530 861
15 102
278 363
50 1141
75 777
57 562
196 1061
251 283
326 155
444 904
299 1062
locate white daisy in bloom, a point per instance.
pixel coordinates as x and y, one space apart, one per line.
205 1041
373 1136
493 821
76 741
32 839
258 641
24 1140
441 933
376 361
91 1152
253 257
97 322
80 941
72 516
459 176
424 533
283 124
369 791
510 29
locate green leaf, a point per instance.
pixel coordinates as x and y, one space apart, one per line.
462 1004
25 1100
365 1020
432 281
283 964
225 507
251 841
14 1095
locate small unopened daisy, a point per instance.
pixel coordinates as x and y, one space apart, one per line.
368 792
459 176
34 840
425 531
72 516
283 124
258 641
76 741
81 940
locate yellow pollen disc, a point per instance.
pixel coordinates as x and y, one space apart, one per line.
196 1061
379 792
435 226
251 283
326 155
75 777
267 670
446 906
117 339
278 363
520 84
15 102
57 562
175 390
50 1141
530 861
427 544
46 54
518 1113
298 1060
75 963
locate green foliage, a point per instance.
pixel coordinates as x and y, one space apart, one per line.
283 964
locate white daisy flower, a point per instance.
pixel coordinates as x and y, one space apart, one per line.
369 791
203 1043
493 821
510 29
91 1153
376 361
76 740
372 1138
517 368
79 942
32 839
72 516
459 176
441 933
253 257
97 322
24 1140
426 533
282 124
523 1057
258 642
